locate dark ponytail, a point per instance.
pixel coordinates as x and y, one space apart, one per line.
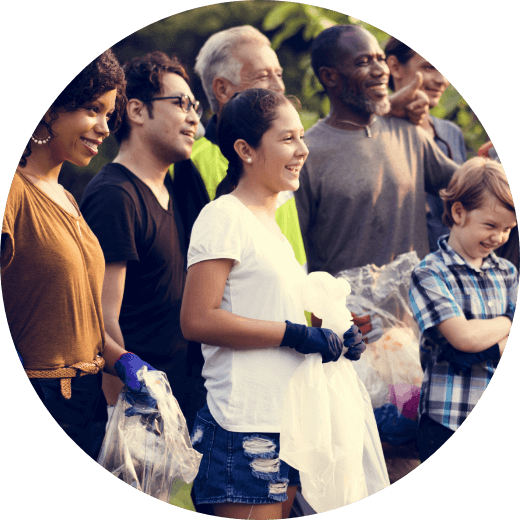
247 115
229 182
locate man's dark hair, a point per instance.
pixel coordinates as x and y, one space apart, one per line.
401 51
325 48
144 80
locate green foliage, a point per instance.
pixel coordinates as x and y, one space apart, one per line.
291 18
291 27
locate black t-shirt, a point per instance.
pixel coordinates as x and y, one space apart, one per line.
132 226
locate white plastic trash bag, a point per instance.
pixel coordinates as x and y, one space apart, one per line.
390 368
328 428
149 447
392 362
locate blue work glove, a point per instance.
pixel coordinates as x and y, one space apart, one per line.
312 340
461 361
137 395
353 340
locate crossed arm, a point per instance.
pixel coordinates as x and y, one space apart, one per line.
477 335
470 341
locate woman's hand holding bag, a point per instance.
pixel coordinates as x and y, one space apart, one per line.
353 340
313 340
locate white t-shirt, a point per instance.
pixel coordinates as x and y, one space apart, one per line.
246 388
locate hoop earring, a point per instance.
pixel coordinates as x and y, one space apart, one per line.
35 139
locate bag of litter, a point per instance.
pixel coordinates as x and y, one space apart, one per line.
328 429
390 367
147 444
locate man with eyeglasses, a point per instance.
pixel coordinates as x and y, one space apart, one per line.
136 214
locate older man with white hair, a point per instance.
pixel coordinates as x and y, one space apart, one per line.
231 61
234 60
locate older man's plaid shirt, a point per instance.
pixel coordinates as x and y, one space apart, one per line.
444 286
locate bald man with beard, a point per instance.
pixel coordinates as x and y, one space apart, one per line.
362 189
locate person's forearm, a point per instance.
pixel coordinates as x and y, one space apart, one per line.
113 351
224 329
113 329
478 335
502 345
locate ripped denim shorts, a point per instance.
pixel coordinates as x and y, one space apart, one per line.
241 468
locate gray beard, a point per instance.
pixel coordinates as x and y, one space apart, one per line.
360 103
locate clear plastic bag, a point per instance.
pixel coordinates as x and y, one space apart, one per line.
148 446
328 429
390 368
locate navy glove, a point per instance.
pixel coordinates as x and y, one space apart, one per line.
312 340
461 361
353 340
127 366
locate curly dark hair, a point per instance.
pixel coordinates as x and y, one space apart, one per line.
100 76
144 80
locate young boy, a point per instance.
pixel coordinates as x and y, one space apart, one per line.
463 298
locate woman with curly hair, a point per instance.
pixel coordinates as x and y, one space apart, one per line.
51 263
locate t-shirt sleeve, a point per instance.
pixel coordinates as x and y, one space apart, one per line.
111 214
438 168
7 244
305 202
217 233
430 298
512 287
461 145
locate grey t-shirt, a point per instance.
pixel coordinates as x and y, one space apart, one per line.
362 199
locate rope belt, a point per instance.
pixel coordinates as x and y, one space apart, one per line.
65 374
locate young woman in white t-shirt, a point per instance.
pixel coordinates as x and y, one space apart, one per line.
242 302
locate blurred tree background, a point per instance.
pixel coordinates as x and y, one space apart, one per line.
291 28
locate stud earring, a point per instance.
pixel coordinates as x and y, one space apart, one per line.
35 139
249 160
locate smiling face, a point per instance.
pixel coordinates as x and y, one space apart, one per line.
364 74
260 68
434 83
477 233
277 162
170 132
79 133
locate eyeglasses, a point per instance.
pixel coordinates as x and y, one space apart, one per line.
184 102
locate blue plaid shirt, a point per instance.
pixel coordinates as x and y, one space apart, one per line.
445 286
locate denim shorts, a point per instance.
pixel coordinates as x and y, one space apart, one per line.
241 468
